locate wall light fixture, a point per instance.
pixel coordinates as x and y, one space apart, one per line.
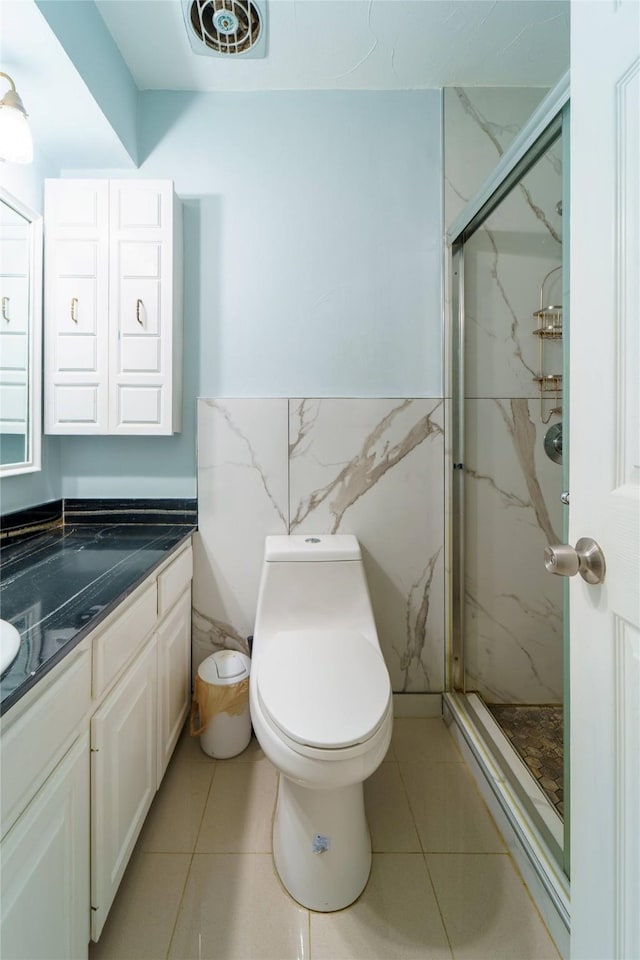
16 144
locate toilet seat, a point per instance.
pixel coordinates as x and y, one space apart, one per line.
321 690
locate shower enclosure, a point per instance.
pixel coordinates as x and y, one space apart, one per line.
508 625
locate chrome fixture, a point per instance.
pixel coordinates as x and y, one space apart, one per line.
16 145
587 559
553 443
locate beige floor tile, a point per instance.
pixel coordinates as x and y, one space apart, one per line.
188 749
388 812
141 920
487 910
175 816
239 811
395 918
390 755
253 752
448 810
423 739
235 908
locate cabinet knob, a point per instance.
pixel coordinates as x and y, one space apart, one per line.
74 304
139 304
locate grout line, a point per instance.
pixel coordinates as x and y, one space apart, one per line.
411 811
180 903
435 895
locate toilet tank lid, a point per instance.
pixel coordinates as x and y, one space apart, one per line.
307 546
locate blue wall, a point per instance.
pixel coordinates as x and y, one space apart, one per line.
313 259
82 33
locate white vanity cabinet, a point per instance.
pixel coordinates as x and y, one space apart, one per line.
141 677
44 755
82 755
112 307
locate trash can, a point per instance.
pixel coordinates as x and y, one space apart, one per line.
220 709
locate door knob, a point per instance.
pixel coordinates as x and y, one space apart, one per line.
587 559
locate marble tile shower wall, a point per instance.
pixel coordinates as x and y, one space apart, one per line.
513 608
372 467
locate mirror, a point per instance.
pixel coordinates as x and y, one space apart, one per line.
20 336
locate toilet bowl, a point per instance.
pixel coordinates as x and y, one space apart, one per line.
321 708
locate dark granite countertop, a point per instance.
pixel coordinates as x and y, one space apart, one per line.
56 587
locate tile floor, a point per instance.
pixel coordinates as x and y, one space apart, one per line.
201 882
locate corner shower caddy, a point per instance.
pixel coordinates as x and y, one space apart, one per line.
549 320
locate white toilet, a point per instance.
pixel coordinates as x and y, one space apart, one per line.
322 711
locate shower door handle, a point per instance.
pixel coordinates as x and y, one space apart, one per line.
587 559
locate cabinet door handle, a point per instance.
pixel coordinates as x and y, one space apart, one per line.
139 304
74 304
5 305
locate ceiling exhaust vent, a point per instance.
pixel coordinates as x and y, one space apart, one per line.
226 28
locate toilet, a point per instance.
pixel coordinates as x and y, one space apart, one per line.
322 711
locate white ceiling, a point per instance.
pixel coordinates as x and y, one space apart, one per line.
354 44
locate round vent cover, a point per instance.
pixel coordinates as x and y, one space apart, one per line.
227 27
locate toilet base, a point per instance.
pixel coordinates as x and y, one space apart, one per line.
321 844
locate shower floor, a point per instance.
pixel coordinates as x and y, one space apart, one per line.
536 734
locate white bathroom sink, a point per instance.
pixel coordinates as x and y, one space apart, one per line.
9 644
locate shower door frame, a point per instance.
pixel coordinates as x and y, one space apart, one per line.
456 239
538 851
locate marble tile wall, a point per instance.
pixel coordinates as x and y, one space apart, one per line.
372 467
513 608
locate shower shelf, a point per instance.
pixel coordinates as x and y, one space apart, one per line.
549 327
548 334
549 382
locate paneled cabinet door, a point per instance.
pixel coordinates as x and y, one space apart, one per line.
14 333
174 678
76 306
141 305
123 777
45 868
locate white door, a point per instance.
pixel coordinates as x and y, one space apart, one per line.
605 478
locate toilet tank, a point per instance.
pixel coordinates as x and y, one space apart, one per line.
310 583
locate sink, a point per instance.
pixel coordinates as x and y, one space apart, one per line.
9 644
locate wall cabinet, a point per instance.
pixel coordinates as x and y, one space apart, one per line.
82 755
112 307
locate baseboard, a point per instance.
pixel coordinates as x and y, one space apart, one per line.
417 705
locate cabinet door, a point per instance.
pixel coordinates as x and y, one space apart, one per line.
14 326
76 306
141 306
123 778
45 868
174 677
